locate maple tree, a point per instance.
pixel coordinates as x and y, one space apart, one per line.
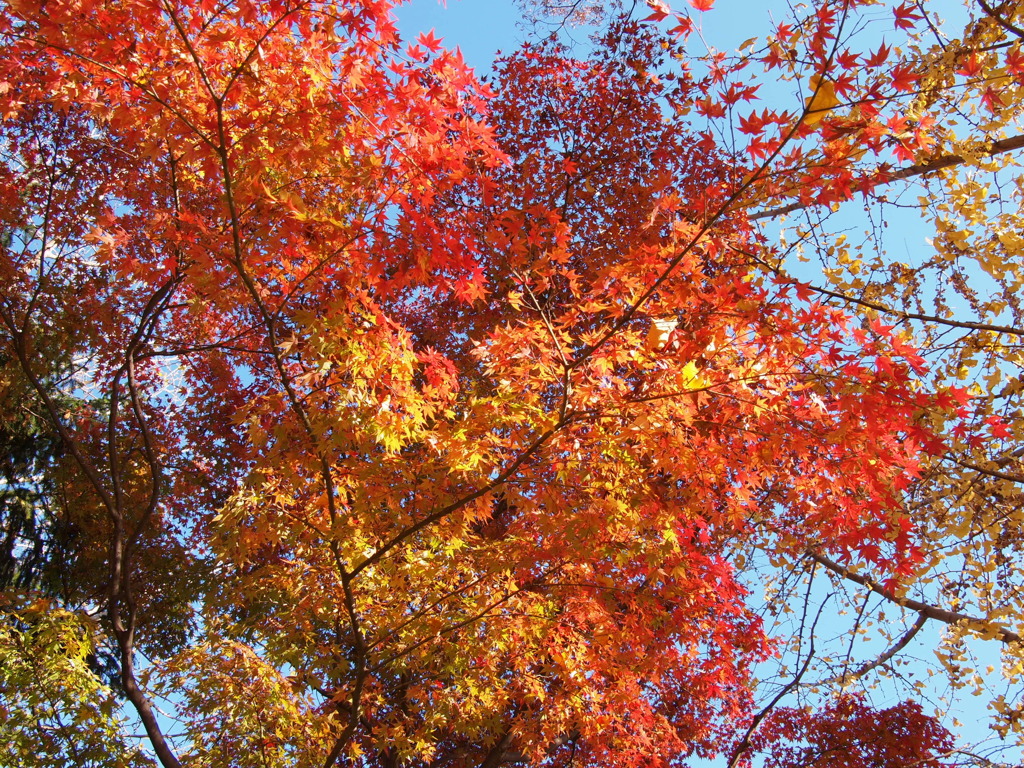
373 415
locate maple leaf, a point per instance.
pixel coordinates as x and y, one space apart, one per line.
970 67
992 99
906 15
879 57
1015 61
904 79
472 289
752 124
660 8
429 41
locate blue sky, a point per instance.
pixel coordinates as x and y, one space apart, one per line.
479 28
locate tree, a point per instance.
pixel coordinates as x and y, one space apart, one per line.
416 422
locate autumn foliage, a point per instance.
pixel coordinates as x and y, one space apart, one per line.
847 733
362 413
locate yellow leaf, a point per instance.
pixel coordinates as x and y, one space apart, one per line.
659 332
692 377
822 99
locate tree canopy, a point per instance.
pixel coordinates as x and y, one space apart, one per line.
361 411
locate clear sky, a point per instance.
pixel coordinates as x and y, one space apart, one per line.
479 28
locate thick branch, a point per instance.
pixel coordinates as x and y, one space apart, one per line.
988 472
920 169
346 577
498 753
929 611
144 708
999 19
119 571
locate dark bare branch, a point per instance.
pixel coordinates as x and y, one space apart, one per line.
929 611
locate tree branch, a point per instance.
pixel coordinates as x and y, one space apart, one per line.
920 169
895 648
965 324
434 517
929 611
999 19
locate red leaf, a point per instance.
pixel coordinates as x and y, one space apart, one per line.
428 41
660 8
906 15
1015 61
878 57
903 78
